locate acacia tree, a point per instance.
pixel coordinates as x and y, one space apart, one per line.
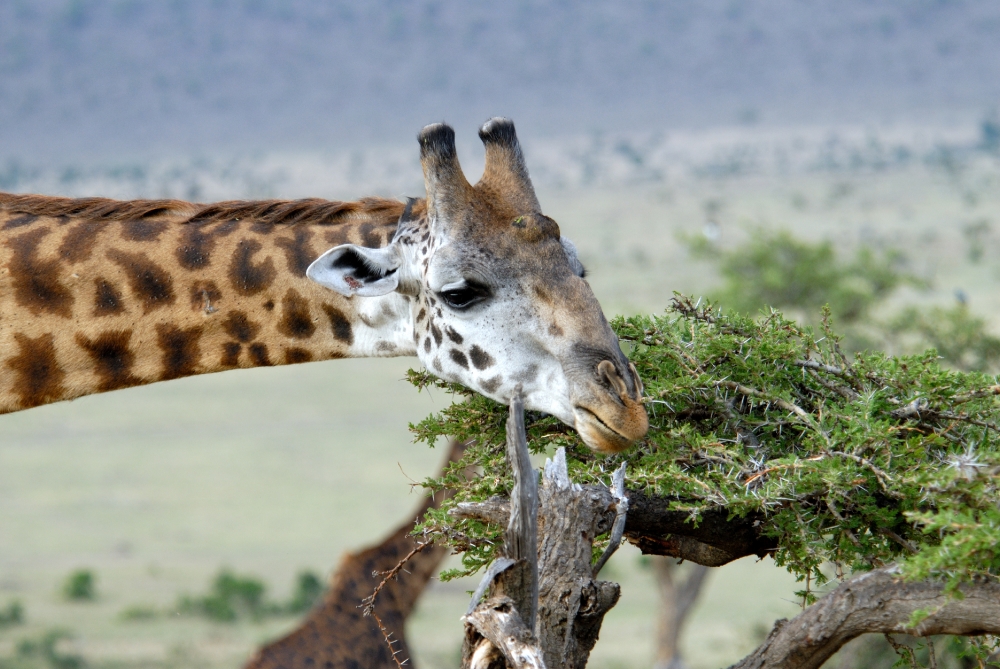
766 439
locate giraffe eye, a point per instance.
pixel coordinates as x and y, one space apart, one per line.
464 296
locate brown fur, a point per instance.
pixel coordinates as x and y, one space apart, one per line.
99 294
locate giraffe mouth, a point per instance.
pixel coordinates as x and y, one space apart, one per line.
597 434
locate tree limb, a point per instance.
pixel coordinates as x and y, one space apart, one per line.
877 601
521 538
498 622
657 529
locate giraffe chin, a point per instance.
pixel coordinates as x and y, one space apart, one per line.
601 437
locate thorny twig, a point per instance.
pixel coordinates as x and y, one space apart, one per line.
885 531
902 650
812 364
389 641
847 531
883 478
804 416
368 603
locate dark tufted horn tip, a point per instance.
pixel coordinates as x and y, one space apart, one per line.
498 130
438 140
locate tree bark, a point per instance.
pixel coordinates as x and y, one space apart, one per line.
657 530
572 604
716 540
569 602
877 601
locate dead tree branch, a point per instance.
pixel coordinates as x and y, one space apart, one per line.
880 602
565 602
521 537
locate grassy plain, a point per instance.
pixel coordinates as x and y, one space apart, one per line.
271 471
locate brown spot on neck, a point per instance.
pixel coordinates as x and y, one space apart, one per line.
458 358
112 358
339 324
249 278
337 236
299 253
78 244
149 282
205 296
374 236
39 376
36 282
259 356
180 350
197 243
491 385
230 354
143 230
296 321
19 221
296 355
239 327
107 298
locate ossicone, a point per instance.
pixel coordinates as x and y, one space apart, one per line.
506 171
437 140
447 189
499 130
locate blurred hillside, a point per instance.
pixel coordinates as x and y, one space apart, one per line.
114 77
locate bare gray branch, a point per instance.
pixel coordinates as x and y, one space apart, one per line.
877 601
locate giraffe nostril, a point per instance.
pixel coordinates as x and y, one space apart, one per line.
639 389
607 373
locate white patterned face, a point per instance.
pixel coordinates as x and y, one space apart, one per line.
481 286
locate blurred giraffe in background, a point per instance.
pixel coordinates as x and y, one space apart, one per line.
337 634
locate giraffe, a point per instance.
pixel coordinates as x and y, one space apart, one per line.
337 633
97 294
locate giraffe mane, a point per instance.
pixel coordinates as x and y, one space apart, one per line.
276 212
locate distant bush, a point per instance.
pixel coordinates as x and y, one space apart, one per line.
12 615
138 613
958 336
776 269
308 591
43 652
80 586
233 597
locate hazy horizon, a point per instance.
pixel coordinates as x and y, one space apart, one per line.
104 79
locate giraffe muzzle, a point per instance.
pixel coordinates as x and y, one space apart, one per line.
612 417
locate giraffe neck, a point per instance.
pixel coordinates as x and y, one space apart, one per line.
97 294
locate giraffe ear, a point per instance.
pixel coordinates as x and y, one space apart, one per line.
573 257
357 270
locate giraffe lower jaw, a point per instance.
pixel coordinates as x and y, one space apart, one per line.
597 434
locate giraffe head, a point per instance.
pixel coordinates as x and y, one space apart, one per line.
496 295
